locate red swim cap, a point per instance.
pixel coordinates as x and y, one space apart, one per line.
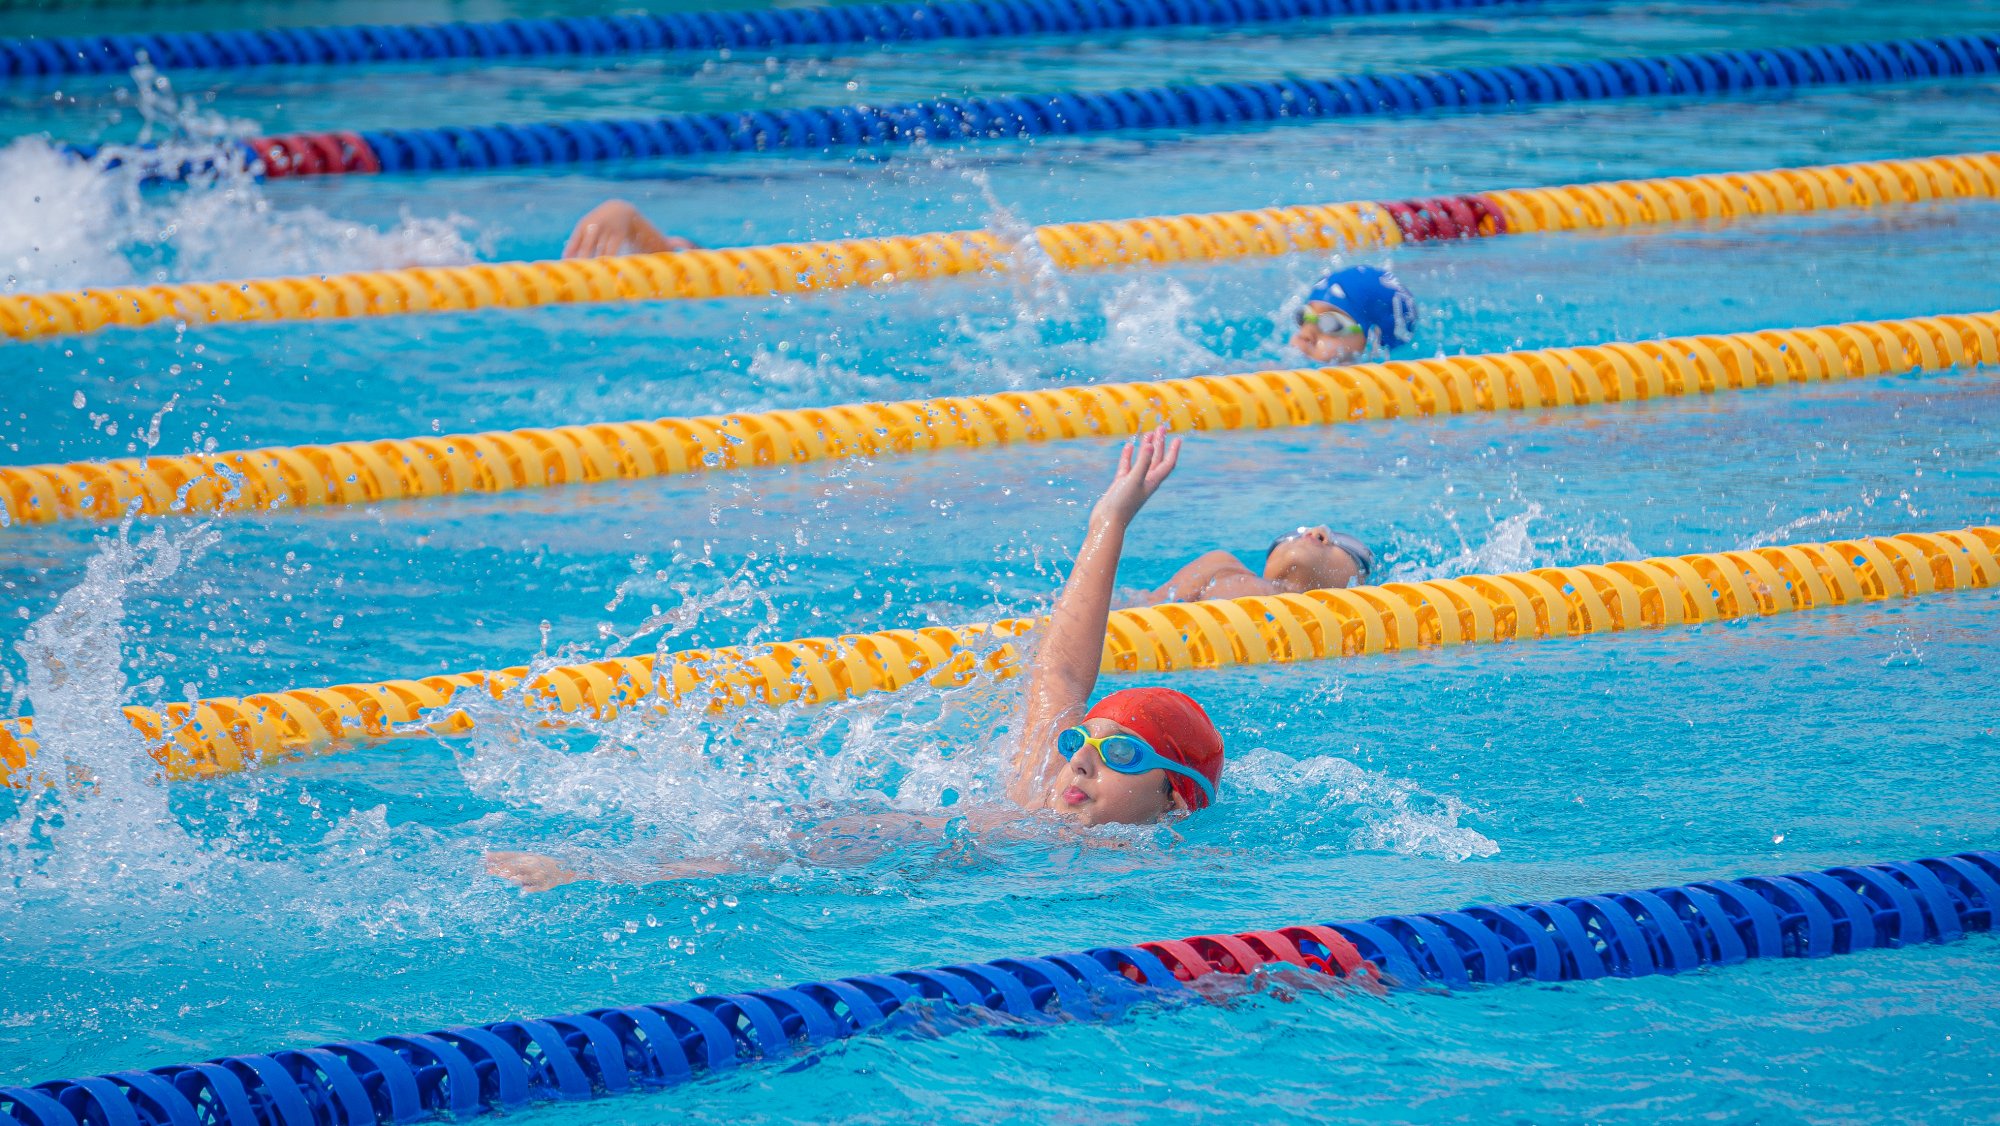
1176 727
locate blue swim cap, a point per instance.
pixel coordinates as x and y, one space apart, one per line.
1376 301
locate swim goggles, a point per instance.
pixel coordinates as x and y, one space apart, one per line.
1128 754
1364 559
1331 322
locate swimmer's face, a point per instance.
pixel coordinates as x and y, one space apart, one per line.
1310 561
1093 794
1328 336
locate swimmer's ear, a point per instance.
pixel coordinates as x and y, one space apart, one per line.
1176 804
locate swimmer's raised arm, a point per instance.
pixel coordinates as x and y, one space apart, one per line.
1072 644
616 227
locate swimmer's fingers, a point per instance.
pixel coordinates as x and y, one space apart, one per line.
592 236
1153 463
603 230
1169 458
609 239
1145 453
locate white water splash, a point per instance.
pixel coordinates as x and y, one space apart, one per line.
66 222
95 822
1790 531
1149 327
1039 292
1323 795
98 849
687 783
785 375
666 784
1514 543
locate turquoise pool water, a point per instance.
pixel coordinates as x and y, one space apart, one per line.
345 895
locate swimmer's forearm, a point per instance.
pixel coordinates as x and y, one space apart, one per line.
1066 661
1074 647
1072 644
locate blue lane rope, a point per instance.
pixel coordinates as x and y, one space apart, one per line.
1187 108
646 32
472 1069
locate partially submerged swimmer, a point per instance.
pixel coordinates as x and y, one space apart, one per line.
1139 756
1316 558
1142 754
1353 313
616 227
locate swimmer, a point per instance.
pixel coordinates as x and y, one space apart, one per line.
1139 756
616 227
1316 558
1353 313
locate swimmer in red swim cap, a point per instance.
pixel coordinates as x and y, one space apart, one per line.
1142 754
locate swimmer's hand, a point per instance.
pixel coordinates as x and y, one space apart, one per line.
532 870
616 227
1143 467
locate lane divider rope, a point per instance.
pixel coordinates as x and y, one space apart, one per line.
501 1067
1186 108
369 472
801 267
638 33
223 735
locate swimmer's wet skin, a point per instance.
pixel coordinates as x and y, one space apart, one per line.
616 227
1315 558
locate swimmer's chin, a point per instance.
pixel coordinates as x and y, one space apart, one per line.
1086 814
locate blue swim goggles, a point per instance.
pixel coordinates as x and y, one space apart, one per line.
1128 754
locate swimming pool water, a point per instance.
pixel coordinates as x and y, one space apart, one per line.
345 895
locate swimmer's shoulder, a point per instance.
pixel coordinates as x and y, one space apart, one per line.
1240 582
1216 560
1192 582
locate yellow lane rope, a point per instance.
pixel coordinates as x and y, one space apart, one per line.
797 267
219 736
396 468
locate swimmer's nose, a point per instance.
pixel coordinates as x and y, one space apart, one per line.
1084 762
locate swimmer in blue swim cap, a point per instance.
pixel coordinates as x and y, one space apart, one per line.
1352 313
